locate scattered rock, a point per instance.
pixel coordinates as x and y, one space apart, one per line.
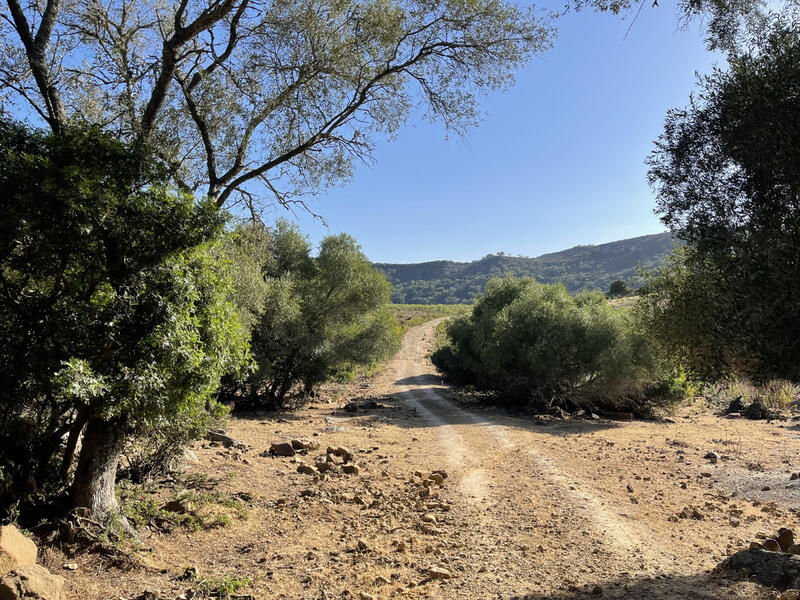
785 538
362 546
629 487
149 595
381 580
691 512
775 569
344 453
323 466
223 438
281 449
794 476
71 566
766 488
757 411
712 457
771 545
365 596
31 582
439 573
15 550
350 469
305 445
306 469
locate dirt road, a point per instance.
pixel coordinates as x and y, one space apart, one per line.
537 508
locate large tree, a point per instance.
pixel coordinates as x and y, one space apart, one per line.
727 174
285 93
116 312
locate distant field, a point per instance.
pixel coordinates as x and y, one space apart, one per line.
409 315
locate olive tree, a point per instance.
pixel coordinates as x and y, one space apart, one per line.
321 316
116 312
727 175
245 96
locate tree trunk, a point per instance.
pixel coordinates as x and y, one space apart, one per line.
95 476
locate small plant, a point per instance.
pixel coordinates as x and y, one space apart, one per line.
220 587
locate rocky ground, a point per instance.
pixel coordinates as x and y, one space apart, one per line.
424 495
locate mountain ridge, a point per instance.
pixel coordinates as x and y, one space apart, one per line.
593 266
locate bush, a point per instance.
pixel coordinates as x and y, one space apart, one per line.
320 318
535 345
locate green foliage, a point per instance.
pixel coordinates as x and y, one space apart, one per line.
536 345
727 171
322 316
618 289
116 305
579 268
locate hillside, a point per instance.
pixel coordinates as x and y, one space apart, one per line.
578 268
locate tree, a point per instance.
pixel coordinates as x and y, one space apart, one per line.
535 345
618 289
727 176
233 93
321 316
116 312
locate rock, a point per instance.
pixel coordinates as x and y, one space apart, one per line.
785 538
305 445
757 545
306 469
712 457
15 550
766 488
223 438
381 580
439 573
344 453
768 568
400 545
771 545
794 549
736 405
794 476
758 411
31 582
436 479
350 469
149 595
365 596
71 566
361 546
629 487
324 466
281 449
431 529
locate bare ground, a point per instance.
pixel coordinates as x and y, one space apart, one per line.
531 508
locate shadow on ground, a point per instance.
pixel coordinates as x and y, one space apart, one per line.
398 409
705 586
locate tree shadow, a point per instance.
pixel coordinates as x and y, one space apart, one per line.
400 409
706 586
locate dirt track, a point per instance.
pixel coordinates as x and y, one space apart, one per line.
536 508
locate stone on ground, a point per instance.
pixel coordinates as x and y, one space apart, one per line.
15 550
31 582
776 569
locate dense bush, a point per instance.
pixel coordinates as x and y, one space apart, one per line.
320 317
727 174
535 345
116 318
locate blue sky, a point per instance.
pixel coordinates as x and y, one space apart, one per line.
557 161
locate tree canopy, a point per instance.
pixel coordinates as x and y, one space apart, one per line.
727 175
282 93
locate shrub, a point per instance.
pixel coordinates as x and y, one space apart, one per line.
535 345
320 316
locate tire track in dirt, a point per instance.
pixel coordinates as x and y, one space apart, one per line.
466 438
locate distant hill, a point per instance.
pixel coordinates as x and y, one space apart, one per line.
578 268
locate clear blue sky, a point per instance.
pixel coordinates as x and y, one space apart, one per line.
557 161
